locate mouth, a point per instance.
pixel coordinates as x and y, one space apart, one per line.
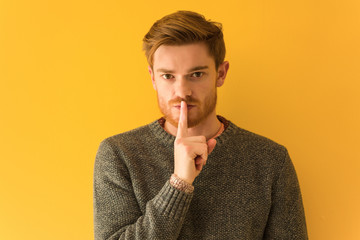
189 107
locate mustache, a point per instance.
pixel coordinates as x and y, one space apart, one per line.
189 101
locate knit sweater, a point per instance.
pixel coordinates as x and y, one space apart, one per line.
247 190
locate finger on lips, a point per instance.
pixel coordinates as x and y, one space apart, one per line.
200 147
182 125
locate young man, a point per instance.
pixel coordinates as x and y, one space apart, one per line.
192 174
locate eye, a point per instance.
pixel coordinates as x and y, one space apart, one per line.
197 74
167 76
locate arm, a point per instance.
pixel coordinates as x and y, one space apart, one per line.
286 218
116 212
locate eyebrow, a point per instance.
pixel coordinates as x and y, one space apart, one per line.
190 70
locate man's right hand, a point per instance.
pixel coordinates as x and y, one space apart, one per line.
190 153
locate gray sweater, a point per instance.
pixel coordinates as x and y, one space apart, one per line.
247 190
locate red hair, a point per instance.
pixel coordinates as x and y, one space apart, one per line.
185 27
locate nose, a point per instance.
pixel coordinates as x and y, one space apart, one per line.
182 88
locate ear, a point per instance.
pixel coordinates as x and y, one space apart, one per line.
221 74
152 77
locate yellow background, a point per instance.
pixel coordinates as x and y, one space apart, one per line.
73 73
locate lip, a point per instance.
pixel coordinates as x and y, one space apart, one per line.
188 106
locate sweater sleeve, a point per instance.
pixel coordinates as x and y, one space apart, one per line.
286 218
117 214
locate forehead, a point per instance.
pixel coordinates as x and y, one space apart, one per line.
182 57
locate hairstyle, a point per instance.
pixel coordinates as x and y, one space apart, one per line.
185 27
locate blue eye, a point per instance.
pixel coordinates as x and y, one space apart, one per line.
167 76
197 74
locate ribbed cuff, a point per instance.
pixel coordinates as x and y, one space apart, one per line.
173 202
180 184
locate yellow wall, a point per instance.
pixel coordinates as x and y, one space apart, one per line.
73 73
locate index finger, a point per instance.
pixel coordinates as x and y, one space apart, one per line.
182 125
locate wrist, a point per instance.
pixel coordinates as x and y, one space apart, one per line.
181 184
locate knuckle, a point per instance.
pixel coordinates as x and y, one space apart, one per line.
205 148
187 149
202 138
178 141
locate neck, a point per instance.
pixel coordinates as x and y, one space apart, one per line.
208 127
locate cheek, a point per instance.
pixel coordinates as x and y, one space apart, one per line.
205 90
163 98
164 92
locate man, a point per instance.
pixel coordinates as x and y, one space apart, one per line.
192 174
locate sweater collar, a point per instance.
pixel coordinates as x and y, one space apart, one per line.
168 139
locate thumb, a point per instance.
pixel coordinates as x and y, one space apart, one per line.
211 145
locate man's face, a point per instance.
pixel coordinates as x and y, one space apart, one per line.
188 73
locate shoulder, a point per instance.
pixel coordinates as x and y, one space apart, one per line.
257 140
243 136
253 145
260 154
130 138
